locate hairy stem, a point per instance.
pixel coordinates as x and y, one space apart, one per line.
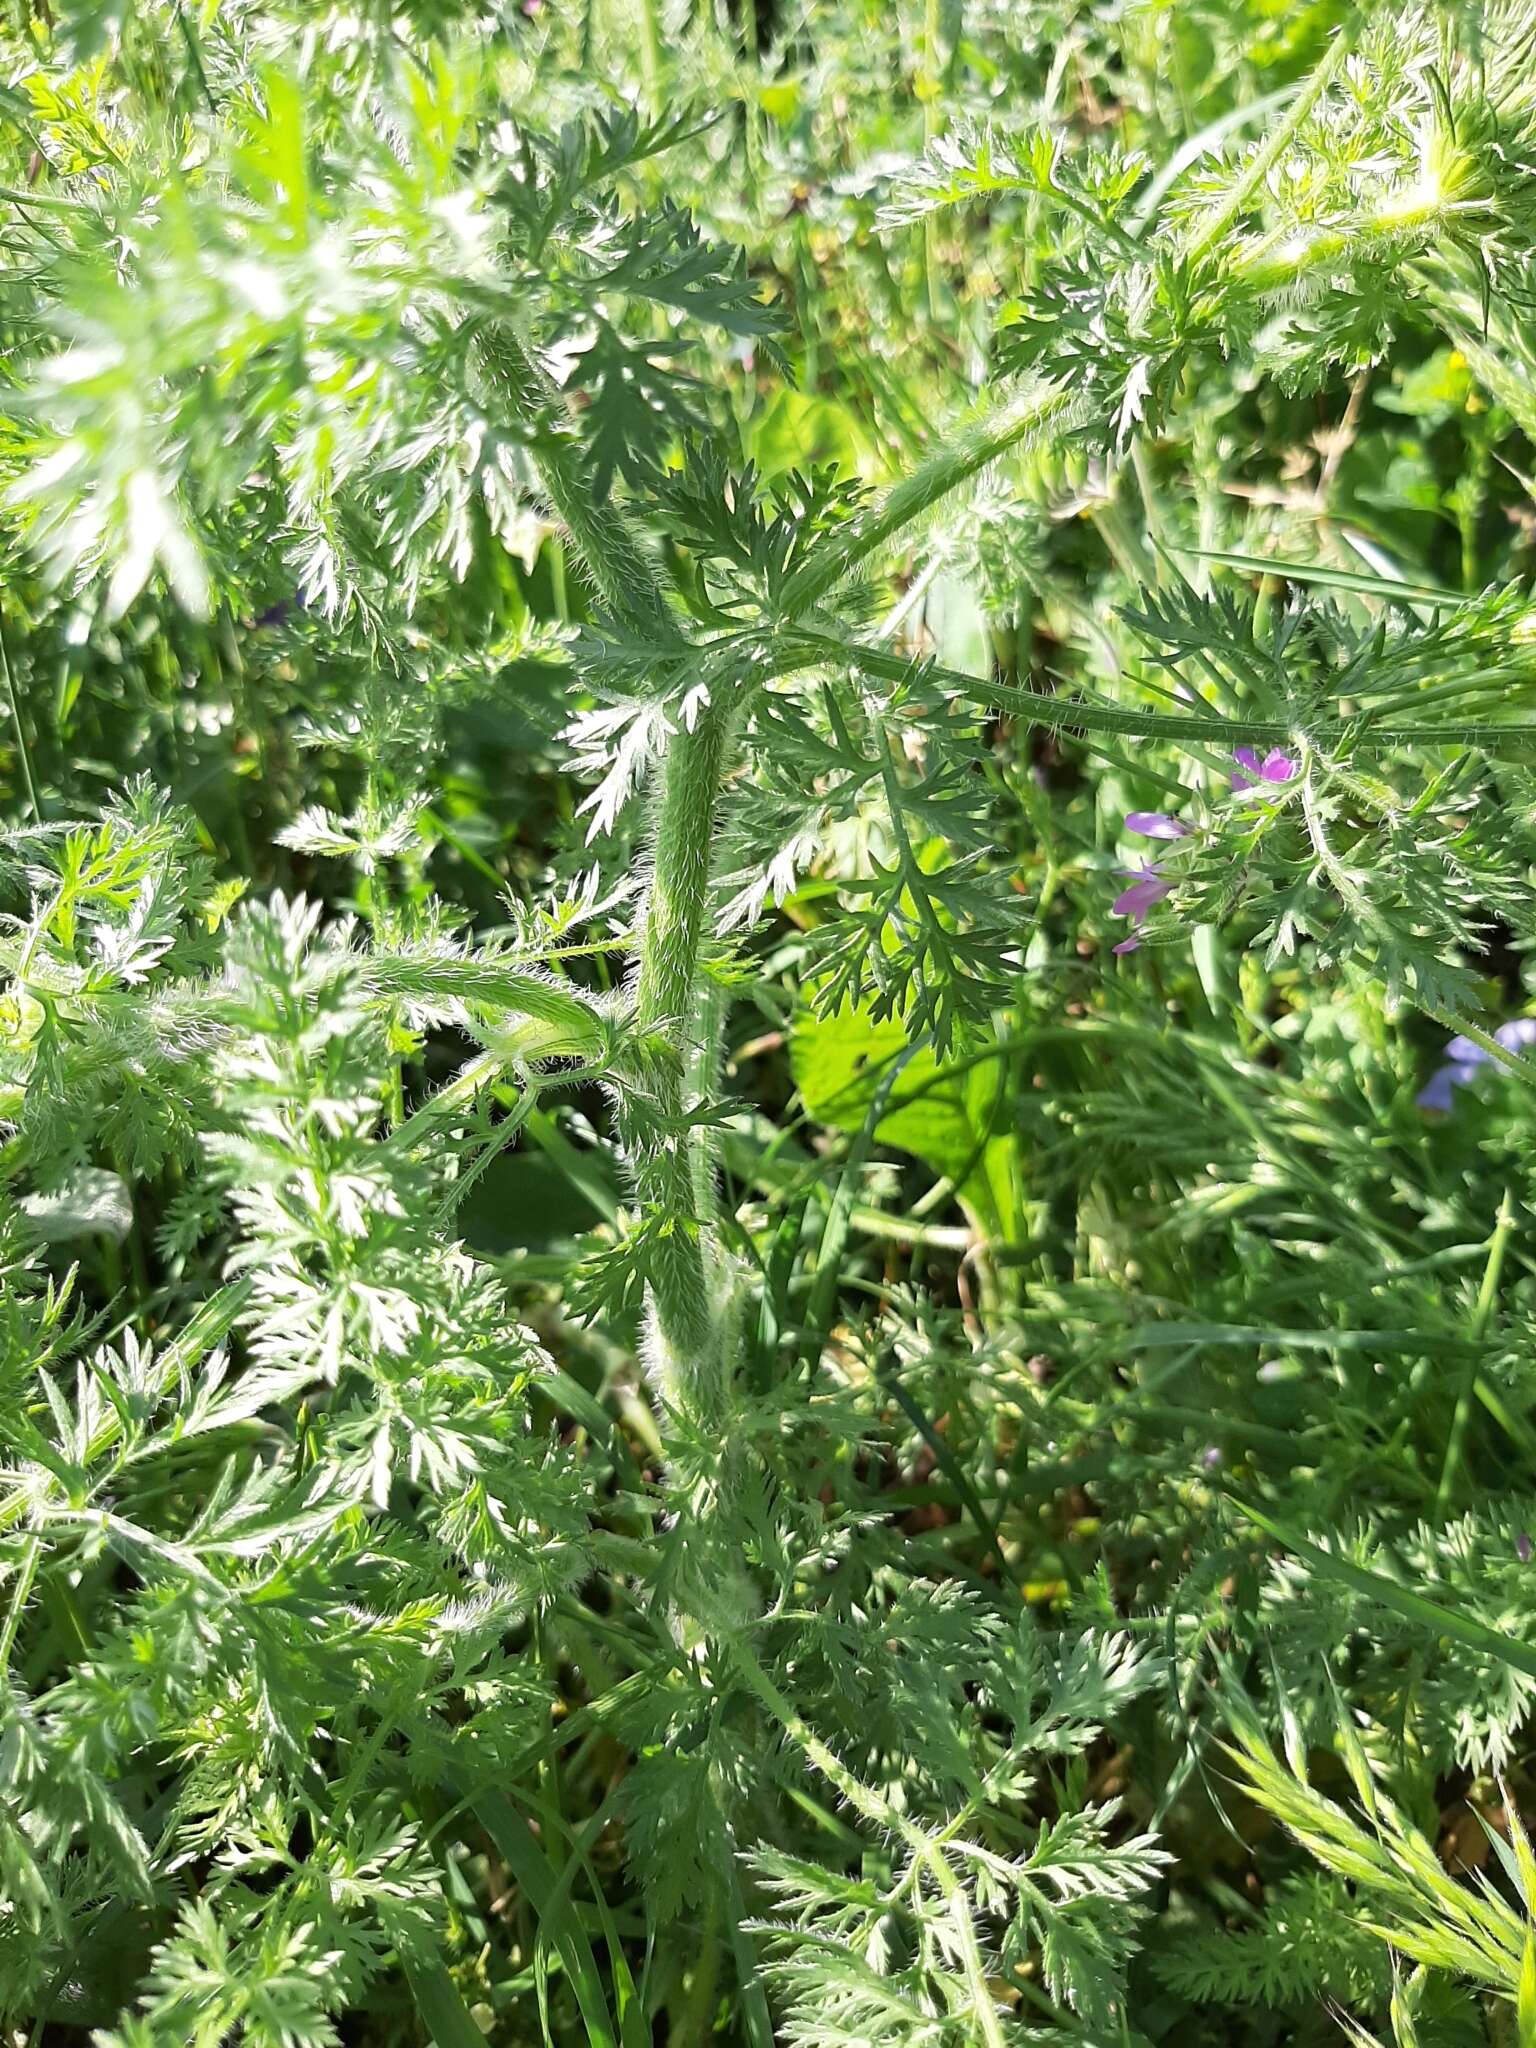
603 537
688 1347
879 1813
689 1357
1214 225
1079 714
1282 261
973 445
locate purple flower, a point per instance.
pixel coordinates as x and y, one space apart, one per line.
1276 766
1463 1058
1148 887
1155 825
1439 1091
1525 1549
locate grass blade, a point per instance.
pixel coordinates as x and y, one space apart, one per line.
1360 581
559 1926
1415 1607
443 2011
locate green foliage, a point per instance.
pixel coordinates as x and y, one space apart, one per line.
667 1370
857 1075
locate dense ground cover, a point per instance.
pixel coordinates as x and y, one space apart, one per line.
766 1251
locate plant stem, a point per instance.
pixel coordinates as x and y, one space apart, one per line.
1515 1062
689 1350
1482 1315
1264 159
9 679
881 1814
26 1572
613 557
1280 262
702 1079
1079 714
975 444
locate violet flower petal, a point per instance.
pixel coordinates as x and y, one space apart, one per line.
1276 766
1155 825
1439 1091
1148 888
1464 1056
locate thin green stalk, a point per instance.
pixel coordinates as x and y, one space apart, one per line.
693 2023
1191 150
23 755
26 1573
975 444
614 558
44 200
1515 1062
1477 1328
1434 1618
879 1813
1215 224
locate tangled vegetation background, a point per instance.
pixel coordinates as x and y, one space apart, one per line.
766 1171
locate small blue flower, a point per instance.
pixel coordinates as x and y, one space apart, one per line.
1463 1058
1439 1092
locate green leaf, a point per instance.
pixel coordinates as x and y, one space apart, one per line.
1525 2006
559 1926
1429 1614
672 1836
952 1115
443 2012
